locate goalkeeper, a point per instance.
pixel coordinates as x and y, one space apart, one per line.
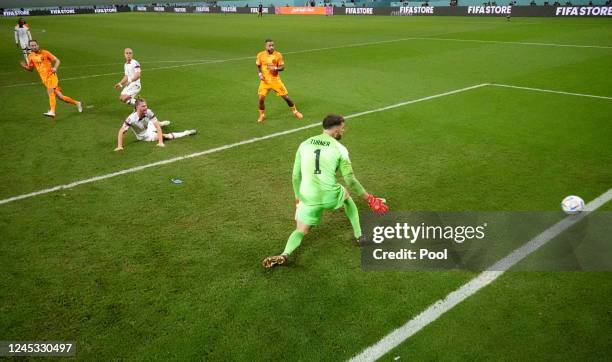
316 188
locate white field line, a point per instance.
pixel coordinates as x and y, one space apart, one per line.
223 148
119 64
550 91
216 61
323 49
143 62
115 73
516 43
433 312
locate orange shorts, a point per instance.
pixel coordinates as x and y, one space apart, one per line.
276 85
51 81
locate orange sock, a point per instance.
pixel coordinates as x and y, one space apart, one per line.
52 102
68 100
294 108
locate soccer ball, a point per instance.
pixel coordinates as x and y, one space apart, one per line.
572 205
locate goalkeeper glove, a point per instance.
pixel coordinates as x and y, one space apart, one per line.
377 204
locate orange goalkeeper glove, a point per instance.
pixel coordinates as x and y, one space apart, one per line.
377 205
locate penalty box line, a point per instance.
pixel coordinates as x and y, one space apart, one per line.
550 91
226 147
278 134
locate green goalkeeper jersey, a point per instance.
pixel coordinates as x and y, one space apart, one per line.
317 161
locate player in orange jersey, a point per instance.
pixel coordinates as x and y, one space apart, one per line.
269 62
41 60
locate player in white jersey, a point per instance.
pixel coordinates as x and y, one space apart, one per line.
131 79
146 127
23 37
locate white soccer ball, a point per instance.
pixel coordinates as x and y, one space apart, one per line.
572 205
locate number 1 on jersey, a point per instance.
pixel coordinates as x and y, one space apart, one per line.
317 156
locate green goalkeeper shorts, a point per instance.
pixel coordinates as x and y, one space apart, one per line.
312 214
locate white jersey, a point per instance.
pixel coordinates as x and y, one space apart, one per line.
142 127
22 35
130 69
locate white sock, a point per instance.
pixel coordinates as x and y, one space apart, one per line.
180 134
131 101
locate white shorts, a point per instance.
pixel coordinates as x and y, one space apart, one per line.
23 44
131 90
150 135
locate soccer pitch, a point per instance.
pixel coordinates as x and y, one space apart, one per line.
133 266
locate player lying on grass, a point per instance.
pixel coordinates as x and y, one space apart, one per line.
130 83
146 127
40 60
269 62
317 189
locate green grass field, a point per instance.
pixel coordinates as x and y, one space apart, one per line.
136 267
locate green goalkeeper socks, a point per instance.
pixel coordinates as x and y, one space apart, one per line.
353 215
295 239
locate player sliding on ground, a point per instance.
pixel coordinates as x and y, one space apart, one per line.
41 60
269 62
146 127
316 188
130 83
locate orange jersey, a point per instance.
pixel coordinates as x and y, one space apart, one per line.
266 60
42 62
